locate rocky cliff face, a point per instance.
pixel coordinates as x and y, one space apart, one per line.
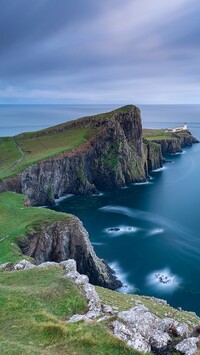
175 144
67 239
153 155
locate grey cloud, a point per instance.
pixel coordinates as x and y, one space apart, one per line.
109 48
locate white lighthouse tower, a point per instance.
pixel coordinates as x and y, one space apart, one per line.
185 127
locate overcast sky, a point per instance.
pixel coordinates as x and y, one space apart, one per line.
107 51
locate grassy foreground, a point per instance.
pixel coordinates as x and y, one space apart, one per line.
34 305
16 220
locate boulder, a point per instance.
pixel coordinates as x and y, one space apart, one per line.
130 336
182 330
188 346
23 265
81 280
140 319
159 340
69 265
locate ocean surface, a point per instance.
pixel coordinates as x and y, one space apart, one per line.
149 233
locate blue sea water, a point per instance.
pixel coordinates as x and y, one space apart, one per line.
156 247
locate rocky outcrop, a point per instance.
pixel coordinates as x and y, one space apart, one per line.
175 144
154 155
64 240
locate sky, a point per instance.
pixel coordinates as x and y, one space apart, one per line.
108 51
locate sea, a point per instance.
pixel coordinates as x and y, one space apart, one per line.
148 233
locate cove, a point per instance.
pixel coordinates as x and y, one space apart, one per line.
149 233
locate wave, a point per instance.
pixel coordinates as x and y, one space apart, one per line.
119 230
122 276
60 199
179 235
163 280
159 169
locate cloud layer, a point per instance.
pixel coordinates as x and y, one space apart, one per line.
84 51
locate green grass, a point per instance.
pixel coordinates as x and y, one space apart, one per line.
156 134
9 154
16 220
34 306
36 147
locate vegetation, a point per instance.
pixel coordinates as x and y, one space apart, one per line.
111 157
34 306
157 134
25 149
16 220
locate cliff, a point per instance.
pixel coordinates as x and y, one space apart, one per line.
68 239
160 143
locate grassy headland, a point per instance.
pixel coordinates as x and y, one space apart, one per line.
23 150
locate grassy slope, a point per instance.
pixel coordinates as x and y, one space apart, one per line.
156 134
16 220
37 148
33 307
44 144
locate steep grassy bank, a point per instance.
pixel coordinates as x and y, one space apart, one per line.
34 305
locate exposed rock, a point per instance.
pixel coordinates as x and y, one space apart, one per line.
94 303
140 319
188 346
23 265
130 336
73 275
108 309
81 280
168 325
48 264
64 240
154 155
69 265
196 331
6 266
176 143
159 340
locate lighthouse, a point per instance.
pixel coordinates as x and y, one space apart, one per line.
185 127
